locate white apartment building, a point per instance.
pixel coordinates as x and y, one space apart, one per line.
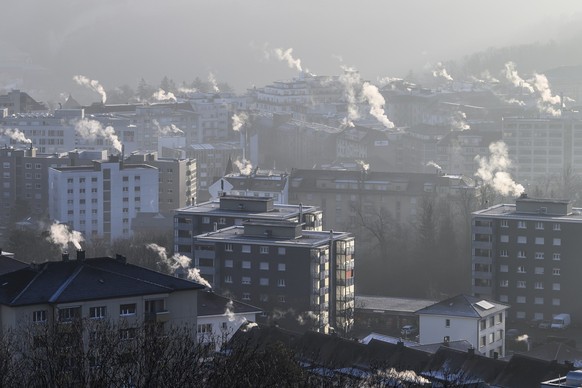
101 200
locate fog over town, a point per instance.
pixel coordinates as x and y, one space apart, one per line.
375 193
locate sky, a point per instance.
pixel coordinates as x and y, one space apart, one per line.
121 41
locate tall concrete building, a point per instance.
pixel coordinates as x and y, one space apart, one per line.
101 200
526 254
279 267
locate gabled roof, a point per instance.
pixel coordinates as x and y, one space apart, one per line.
210 304
526 372
464 306
9 264
81 280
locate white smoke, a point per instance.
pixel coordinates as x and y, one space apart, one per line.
440 71
168 129
351 81
162 95
493 170
458 121
187 91
61 234
238 120
213 83
363 165
179 262
433 164
515 101
395 378
239 321
387 81
522 338
376 102
286 55
307 317
546 101
512 76
92 129
16 135
91 84
245 167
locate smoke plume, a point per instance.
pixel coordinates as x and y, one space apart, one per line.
493 170
286 55
16 135
213 83
440 71
179 262
522 338
91 84
363 165
238 321
245 167
92 129
376 102
162 95
351 81
459 121
512 76
168 129
238 120
61 234
307 317
546 101
433 164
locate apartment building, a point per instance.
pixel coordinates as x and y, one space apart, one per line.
254 184
526 254
102 199
231 210
281 268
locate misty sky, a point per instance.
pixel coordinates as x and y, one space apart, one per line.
120 41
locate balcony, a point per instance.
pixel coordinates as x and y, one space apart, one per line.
157 317
482 229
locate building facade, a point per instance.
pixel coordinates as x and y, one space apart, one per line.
525 254
281 268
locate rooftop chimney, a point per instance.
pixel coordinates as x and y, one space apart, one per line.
80 255
121 258
65 256
471 351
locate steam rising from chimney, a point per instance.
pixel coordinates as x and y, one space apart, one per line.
440 71
61 234
458 121
433 164
376 102
512 76
92 129
162 95
213 83
245 167
286 55
363 165
238 321
16 135
177 262
238 120
350 79
168 129
91 84
493 170
522 338
307 316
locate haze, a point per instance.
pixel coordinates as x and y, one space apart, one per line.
119 42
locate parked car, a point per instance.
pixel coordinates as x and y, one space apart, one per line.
408 330
545 324
561 321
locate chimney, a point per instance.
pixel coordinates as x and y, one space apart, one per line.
65 256
214 227
122 259
446 340
471 351
495 355
300 212
80 255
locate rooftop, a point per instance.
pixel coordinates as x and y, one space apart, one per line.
464 306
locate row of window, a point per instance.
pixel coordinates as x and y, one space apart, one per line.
537 300
263 249
537 270
523 284
70 313
493 320
263 265
246 280
95 179
538 225
246 296
490 338
504 238
523 255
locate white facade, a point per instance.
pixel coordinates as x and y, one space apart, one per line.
219 329
101 200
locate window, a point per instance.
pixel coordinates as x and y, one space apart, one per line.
282 299
521 284
555 301
69 314
556 256
557 241
491 338
539 240
222 221
264 250
264 297
556 286
521 239
246 280
264 281
246 249
520 269
97 312
246 264
539 225
127 334
539 255
504 238
127 309
556 271
520 314
281 267
281 283
39 316
521 254
504 224
504 283
492 321
483 324
206 220
538 300
557 226
204 328
503 298
281 251
521 224
228 279
500 318
447 323
483 341
155 305
264 266
520 299
228 247
503 268
539 270
246 296
228 263
503 253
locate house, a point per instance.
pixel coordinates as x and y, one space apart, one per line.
101 288
479 321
